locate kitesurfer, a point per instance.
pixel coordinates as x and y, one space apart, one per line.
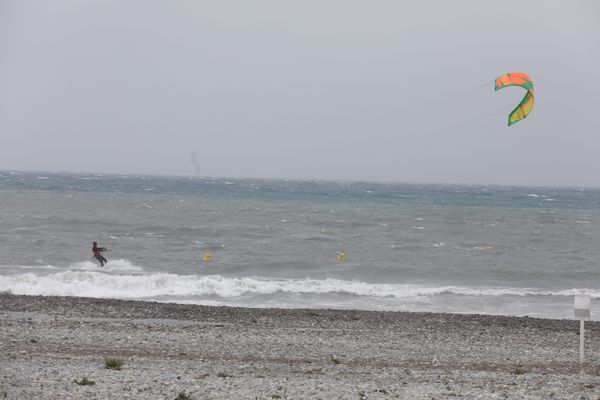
97 252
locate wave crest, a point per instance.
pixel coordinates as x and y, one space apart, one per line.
93 283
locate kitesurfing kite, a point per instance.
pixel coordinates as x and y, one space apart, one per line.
525 106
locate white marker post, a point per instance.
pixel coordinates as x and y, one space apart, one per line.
582 311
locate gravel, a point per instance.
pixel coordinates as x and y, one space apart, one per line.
171 351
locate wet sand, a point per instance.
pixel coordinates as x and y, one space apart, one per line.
168 350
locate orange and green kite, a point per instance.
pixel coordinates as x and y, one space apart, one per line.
525 106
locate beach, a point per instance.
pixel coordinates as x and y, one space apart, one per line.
171 351
299 200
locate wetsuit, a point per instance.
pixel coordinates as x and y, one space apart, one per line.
97 251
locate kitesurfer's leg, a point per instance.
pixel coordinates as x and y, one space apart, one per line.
100 258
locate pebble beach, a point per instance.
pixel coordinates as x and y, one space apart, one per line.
48 345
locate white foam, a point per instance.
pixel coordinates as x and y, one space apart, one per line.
29 266
119 265
98 283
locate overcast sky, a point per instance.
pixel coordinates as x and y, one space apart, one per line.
353 90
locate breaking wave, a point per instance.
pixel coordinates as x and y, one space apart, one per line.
102 284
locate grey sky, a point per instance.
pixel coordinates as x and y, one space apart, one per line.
357 90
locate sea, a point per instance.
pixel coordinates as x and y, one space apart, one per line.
521 251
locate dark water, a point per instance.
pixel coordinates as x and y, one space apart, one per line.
498 250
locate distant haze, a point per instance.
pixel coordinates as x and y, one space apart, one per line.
352 90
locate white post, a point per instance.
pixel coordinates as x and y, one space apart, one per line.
581 341
582 311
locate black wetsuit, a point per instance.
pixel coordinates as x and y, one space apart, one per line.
97 251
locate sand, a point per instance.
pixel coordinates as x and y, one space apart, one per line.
172 351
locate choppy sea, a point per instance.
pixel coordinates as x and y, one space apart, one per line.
275 243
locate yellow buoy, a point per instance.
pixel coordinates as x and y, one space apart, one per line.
207 257
341 255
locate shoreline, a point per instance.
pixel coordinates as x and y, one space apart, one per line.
225 352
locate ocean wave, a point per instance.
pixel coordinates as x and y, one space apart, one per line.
113 266
37 267
94 283
118 265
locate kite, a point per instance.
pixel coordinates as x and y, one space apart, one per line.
525 106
